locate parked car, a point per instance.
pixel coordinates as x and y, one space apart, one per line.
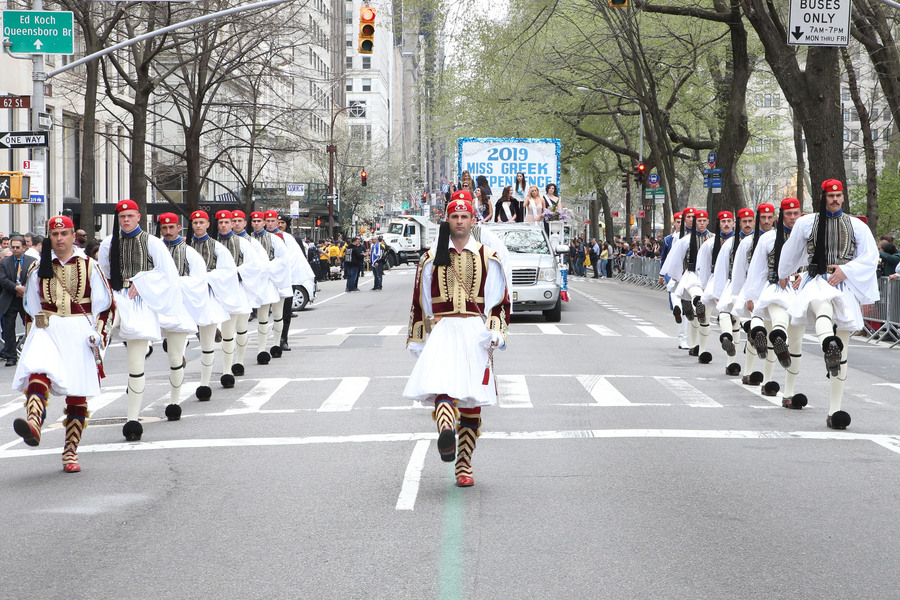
536 280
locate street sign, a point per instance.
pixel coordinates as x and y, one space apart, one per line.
36 170
296 189
45 121
711 159
15 101
39 31
653 180
712 171
713 182
24 139
819 23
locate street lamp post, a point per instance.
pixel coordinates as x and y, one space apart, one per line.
331 148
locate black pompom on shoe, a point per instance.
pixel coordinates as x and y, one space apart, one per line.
733 369
227 381
705 358
695 351
204 393
263 358
771 388
275 351
796 402
237 369
839 420
173 412
132 430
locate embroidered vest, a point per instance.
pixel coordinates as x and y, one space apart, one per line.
179 255
234 246
770 261
207 250
74 275
135 254
266 242
701 237
448 288
840 242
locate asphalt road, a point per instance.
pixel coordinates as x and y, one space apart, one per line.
615 467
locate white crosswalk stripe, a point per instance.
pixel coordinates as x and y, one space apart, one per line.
604 330
345 396
261 393
685 391
513 392
602 391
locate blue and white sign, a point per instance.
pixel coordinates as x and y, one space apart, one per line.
296 189
499 159
653 180
711 159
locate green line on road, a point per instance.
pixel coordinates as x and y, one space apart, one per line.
450 586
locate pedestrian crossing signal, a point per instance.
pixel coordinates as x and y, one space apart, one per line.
14 186
366 30
618 3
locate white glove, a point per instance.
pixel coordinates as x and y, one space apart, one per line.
94 340
497 340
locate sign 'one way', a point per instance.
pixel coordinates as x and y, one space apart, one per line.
23 139
819 23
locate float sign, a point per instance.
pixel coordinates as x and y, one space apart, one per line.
819 23
499 159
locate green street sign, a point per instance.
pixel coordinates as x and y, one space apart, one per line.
39 31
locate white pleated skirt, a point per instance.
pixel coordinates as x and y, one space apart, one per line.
135 320
61 352
453 362
847 311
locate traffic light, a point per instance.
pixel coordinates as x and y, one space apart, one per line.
366 30
618 3
626 180
364 175
639 172
318 221
14 186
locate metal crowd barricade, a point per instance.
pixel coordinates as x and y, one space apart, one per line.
641 271
882 319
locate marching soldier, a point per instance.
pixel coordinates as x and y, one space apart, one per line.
460 312
842 256
142 276
280 275
729 324
70 303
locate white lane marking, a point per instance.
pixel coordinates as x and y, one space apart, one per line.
513 392
341 331
410 488
890 442
602 391
10 444
685 391
12 406
105 399
549 329
391 330
345 396
256 397
757 389
320 302
604 330
652 331
893 385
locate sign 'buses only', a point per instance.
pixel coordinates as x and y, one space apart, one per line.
819 23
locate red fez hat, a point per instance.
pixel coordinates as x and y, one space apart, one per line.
168 218
199 214
746 212
461 195
726 214
60 222
238 214
126 205
701 214
460 205
223 214
270 214
790 203
257 215
690 210
863 219
676 216
765 208
832 185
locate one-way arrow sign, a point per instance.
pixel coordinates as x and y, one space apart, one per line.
24 139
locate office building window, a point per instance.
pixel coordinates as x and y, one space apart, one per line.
357 108
367 62
367 85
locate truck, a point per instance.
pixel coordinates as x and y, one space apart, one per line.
408 237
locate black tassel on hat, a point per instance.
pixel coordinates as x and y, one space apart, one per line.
755 233
45 270
779 241
819 254
115 258
442 253
735 243
717 245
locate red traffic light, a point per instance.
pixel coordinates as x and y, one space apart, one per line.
641 167
318 222
364 175
366 30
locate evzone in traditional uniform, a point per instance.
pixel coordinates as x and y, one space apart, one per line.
680 308
460 312
201 309
841 256
222 273
729 324
706 264
253 276
668 242
255 279
765 219
301 272
280 276
687 286
142 276
70 305
768 304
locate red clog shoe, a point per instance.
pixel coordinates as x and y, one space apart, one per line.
465 481
72 468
